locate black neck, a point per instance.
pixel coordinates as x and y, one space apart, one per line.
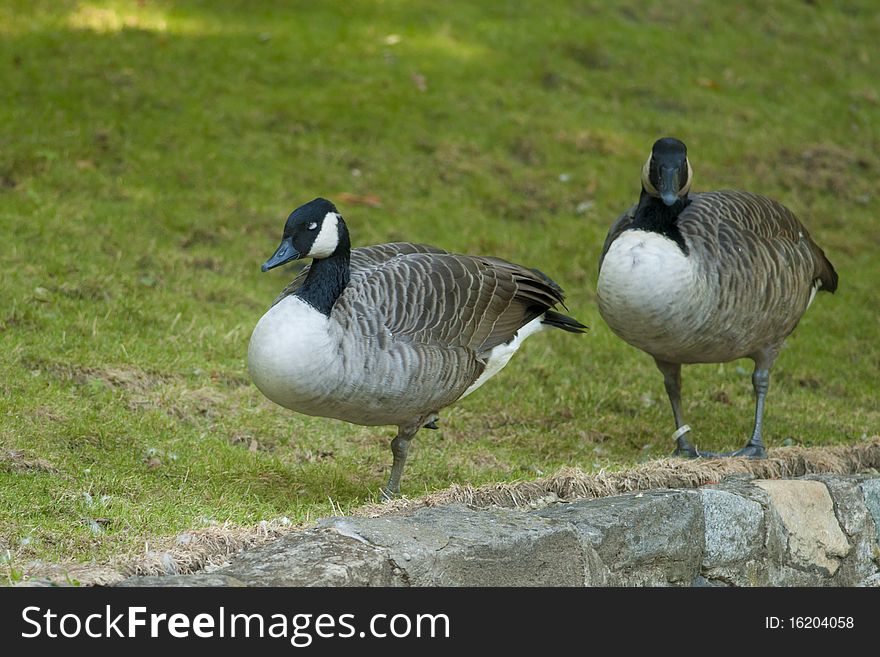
327 278
653 215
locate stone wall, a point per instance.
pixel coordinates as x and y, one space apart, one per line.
817 530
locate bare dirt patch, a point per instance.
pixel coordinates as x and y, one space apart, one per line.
821 168
17 460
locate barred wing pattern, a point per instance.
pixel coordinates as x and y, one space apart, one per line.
751 232
415 325
446 300
364 261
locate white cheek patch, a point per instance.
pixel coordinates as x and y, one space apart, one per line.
687 186
646 178
328 239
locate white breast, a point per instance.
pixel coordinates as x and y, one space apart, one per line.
292 356
649 293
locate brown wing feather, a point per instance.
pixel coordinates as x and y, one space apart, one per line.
765 221
447 300
364 260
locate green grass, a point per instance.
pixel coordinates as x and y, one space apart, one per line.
150 152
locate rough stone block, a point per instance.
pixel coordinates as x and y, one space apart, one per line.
734 546
317 557
651 538
734 528
195 580
457 546
847 493
871 491
815 541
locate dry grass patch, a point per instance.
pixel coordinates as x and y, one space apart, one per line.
572 484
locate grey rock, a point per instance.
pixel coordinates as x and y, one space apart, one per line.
652 538
871 491
42 582
847 498
743 486
702 582
848 494
873 581
457 546
753 572
734 541
777 568
783 574
195 580
316 557
734 528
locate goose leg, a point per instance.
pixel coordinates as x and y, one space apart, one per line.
755 447
672 381
399 448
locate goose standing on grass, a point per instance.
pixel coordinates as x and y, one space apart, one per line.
390 334
707 278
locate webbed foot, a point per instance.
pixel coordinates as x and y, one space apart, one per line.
691 452
749 451
686 452
386 494
684 448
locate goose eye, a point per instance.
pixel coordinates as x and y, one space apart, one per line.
313 225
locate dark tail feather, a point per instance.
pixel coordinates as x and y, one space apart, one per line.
553 285
829 278
823 269
549 281
566 323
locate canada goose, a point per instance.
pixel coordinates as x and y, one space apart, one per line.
707 278
392 333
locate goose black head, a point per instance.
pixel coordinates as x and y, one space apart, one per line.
667 174
314 230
